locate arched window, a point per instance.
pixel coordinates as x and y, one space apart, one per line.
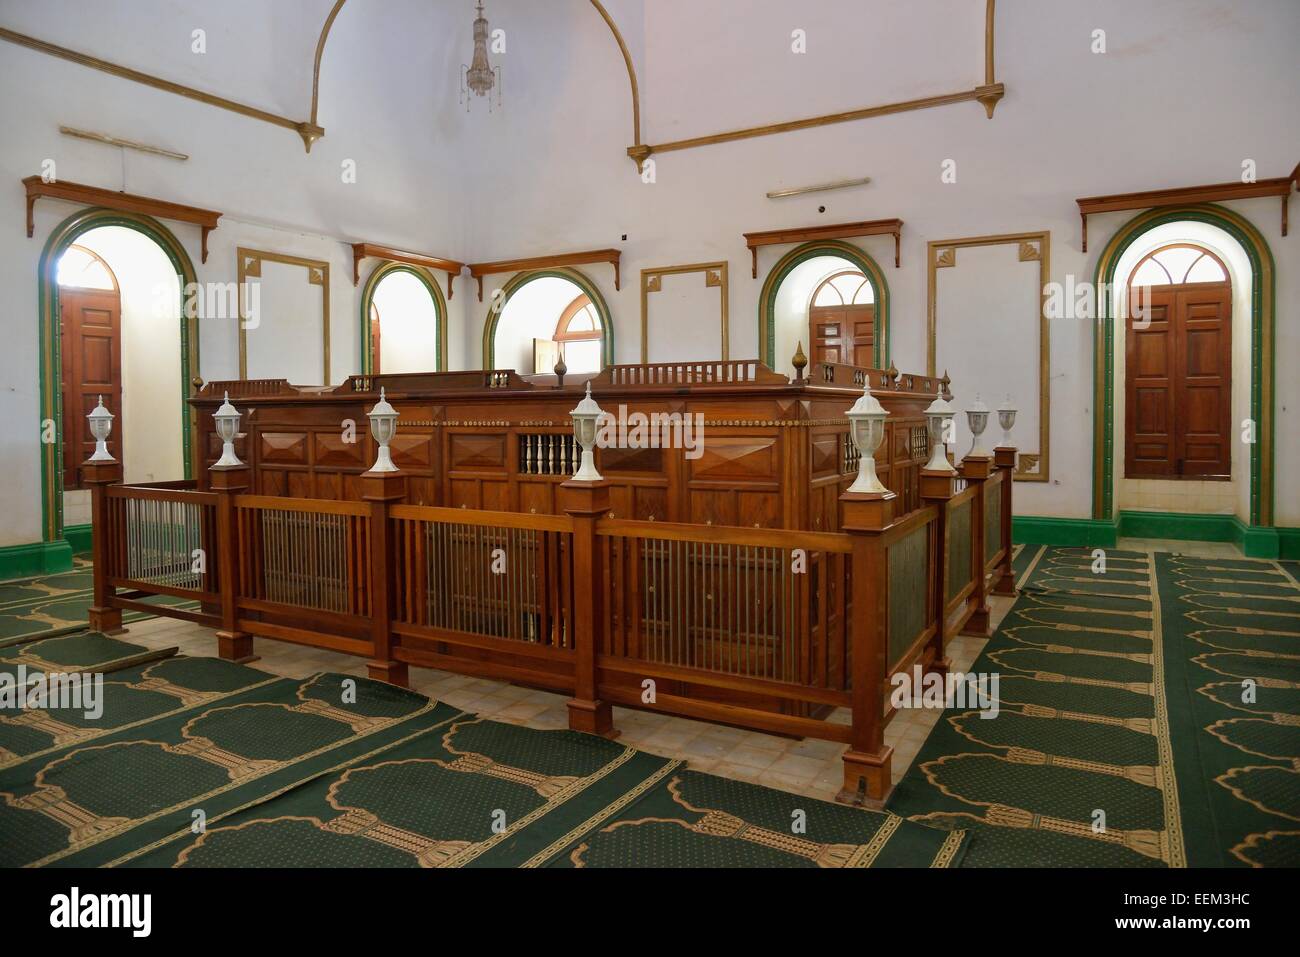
81 268
848 288
1177 264
578 336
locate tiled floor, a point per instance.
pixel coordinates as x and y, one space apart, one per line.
805 767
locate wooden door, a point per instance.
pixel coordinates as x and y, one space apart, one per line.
375 350
90 335
842 334
1178 382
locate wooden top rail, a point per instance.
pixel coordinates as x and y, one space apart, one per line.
317 506
882 380
726 372
909 524
726 535
249 388
474 516
965 495
151 494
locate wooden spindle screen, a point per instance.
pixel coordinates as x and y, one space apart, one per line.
910 574
993 516
306 559
754 611
961 570
503 582
164 540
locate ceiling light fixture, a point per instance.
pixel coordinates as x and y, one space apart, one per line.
480 77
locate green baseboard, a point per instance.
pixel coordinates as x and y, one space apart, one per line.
79 537
1037 530
1255 541
39 558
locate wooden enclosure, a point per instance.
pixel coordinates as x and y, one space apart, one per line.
775 452
742 585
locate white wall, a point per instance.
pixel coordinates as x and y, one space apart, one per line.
1187 90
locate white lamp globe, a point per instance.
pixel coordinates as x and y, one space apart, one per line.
227 419
101 425
866 431
586 416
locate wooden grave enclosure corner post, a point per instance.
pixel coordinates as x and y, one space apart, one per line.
586 503
229 481
976 469
867 778
383 490
936 489
100 475
1004 459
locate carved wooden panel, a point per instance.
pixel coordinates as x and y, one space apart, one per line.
284 447
412 450
478 452
743 458
332 450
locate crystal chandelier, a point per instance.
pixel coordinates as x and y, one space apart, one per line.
480 76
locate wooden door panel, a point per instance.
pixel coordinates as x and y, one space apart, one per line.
90 332
1178 382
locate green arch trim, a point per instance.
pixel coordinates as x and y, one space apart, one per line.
518 281
381 272
800 254
1262 311
51 399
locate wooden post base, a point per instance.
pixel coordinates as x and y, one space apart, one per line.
939 667
1006 585
978 623
106 620
394 672
867 780
236 646
592 717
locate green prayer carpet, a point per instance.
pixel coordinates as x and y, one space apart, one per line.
56 605
198 762
1149 716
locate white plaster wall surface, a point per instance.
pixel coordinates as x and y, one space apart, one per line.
1186 91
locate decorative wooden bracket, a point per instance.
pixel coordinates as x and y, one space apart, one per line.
37 188
361 250
807 234
1187 195
611 256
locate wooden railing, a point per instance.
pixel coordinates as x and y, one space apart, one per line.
786 631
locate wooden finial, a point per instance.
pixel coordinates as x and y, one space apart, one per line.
893 375
800 362
560 370
945 382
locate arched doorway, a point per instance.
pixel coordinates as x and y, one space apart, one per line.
403 321
1242 252
159 330
842 319
540 316
787 299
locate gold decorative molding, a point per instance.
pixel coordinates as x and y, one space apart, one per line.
318 274
988 94
1030 247
715 277
307 129
635 150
